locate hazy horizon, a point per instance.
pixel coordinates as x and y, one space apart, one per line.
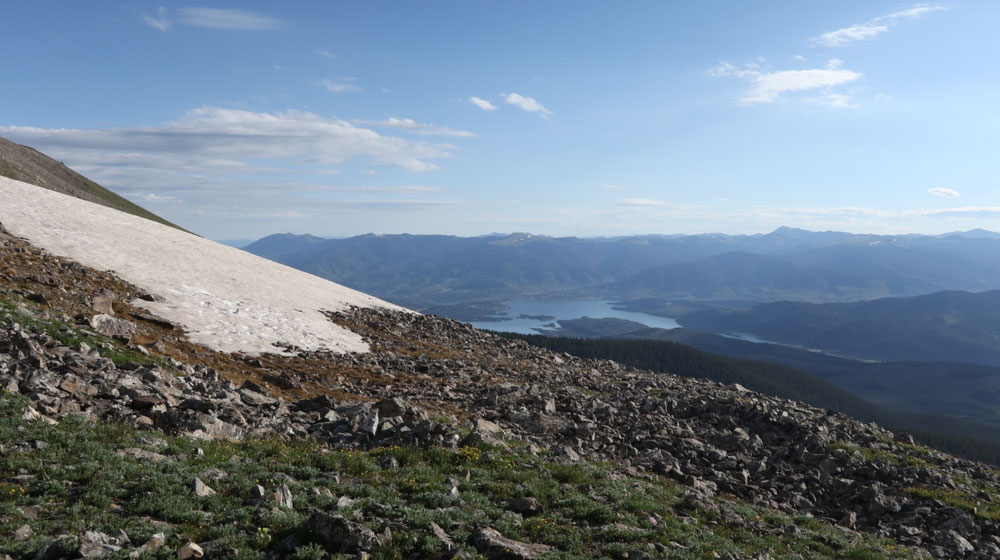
598 236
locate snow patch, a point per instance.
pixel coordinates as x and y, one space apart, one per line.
225 298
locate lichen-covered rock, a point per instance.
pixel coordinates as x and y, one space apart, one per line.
112 326
490 543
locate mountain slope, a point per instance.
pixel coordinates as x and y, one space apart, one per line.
941 327
28 165
743 276
226 298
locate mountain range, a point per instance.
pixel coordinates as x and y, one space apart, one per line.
422 271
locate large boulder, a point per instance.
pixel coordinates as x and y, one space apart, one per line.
339 535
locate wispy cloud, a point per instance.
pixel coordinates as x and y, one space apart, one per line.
837 101
411 125
246 214
768 86
400 203
482 103
401 189
527 103
611 187
854 212
159 21
645 202
344 84
209 146
873 27
326 54
944 192
150 197
217 18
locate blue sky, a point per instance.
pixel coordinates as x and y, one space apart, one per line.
563 118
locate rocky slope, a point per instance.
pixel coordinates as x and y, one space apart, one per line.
73 344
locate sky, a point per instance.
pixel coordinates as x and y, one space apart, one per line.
568 118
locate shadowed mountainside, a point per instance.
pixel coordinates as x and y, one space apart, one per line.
941 327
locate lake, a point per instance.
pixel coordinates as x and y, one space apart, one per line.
527 316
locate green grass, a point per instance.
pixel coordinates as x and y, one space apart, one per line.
589 510
875 455
959 499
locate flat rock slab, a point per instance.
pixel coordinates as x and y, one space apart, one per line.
495 546
113 327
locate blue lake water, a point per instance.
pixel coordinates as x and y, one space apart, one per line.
562 310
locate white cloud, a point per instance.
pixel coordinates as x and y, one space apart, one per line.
914 12
527 103
837 101
872 28
216 18
248 214
341 85
417 127
944 192
853 212
326 54
401 189
210 147
750 71
159 21
850 35
767 87
646 202
149 197
482 103
324 191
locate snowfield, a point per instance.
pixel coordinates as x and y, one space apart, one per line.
225 298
